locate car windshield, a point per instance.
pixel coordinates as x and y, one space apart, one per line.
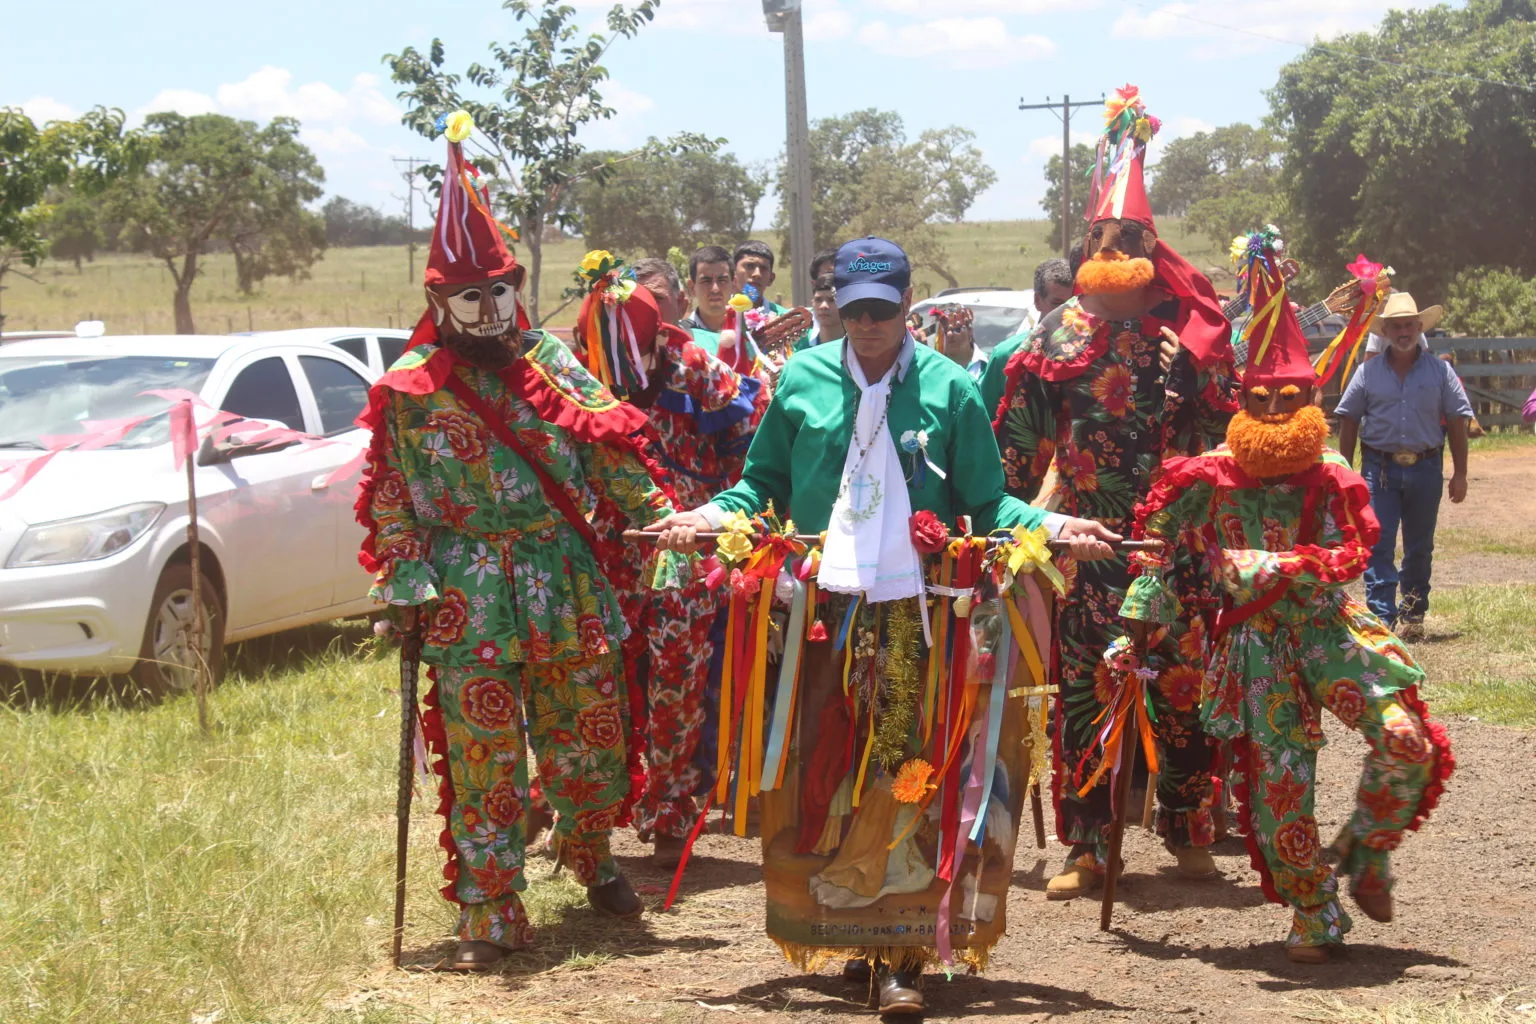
992 324
42 396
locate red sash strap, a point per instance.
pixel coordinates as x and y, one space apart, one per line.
556 494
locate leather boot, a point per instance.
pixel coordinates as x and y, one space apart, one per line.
1075 880
857 971
616 899
899 995
477 955
667 852
1311 955
1195 861
1377 905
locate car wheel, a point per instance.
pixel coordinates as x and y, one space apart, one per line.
166 663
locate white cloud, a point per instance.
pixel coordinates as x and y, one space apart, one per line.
982 41
42 109
188 102
270 92
829 26
1226 28
339 139
1183 127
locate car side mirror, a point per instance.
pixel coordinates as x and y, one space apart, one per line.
255 437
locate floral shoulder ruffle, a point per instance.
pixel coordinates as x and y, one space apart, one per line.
1065 344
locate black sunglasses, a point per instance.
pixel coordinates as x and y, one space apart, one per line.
877 310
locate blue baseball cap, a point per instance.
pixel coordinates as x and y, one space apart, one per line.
870 268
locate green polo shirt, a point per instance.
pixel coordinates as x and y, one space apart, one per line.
796 458
995 380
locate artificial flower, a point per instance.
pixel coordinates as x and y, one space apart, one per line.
911 782
1363 269
1127 97
929 534
458 125
740 303
734 547
1142 129
596 262
818 632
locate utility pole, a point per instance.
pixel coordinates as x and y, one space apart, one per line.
1065 116
784 16
409 174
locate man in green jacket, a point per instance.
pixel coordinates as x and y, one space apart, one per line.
861 435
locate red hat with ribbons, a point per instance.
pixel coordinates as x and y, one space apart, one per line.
468 242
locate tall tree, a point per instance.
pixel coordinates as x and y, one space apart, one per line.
74 229
85 155
654 200
1415 143
543 89
869 180
1225 181
1082 170
350 224
213 180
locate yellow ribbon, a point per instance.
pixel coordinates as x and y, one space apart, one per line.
1029 551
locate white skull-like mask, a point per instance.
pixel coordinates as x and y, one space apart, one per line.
481 309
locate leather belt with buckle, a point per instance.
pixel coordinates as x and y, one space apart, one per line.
1406 458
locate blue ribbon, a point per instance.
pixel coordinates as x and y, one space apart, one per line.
994 722
785 697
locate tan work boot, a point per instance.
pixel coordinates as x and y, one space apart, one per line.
1074 881
1312 955
1195 861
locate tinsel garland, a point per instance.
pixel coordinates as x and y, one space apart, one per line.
898 708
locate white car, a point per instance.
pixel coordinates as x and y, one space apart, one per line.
1000 313
374 347
94 567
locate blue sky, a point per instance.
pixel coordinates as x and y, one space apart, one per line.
704 65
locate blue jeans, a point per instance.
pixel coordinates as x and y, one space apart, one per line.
1408 496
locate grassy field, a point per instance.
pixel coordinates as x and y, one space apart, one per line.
373 286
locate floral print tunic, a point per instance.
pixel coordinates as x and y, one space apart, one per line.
461 522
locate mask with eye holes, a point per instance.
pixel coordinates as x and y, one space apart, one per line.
479 320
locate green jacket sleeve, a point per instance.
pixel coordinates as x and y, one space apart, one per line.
977 476
996 377
766 476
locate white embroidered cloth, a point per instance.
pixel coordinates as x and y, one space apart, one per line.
869 540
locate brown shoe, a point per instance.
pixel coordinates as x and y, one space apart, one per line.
1195 861
616 899
1313 955
899 995
857 971
1377 905
1074 881
668 852
477 955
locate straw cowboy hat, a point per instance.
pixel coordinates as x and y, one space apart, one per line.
1400 306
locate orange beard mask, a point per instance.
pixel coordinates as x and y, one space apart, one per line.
1266 449
1108 273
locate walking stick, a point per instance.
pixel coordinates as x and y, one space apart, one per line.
410 663
1036 809
1126 764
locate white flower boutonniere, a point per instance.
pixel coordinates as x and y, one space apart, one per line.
915 442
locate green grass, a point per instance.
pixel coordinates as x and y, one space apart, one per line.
372 286
153 873
1482 656
1503 439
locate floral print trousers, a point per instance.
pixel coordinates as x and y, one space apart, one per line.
576 727
1280 780
671 628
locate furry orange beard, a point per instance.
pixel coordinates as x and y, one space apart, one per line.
1106 274
1267 450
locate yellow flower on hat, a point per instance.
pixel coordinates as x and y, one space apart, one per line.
592 262
740 303
460 124
1143 130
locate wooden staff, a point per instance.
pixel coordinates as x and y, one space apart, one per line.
410 664
1038 810
1125 765
812 538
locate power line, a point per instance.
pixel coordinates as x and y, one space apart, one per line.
1064 115
1326 48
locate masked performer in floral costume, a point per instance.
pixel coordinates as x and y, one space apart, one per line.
703 414
1135 367
859 437
1284 524
490 445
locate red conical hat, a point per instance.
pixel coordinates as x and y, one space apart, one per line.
1277 350
1119 187
468 244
